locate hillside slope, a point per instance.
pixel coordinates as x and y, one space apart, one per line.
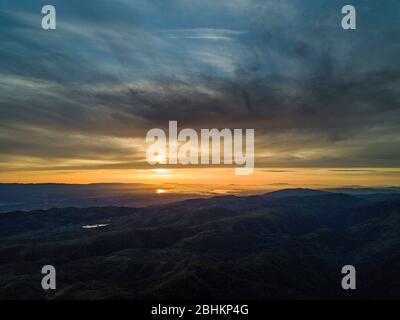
260 247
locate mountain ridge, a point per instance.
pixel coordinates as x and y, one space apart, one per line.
259 247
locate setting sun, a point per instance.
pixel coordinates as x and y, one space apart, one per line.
161 170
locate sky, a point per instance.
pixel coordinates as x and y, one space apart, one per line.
76 102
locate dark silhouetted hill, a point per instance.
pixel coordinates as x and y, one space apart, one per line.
290 244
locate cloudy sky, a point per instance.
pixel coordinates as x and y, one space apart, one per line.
82 97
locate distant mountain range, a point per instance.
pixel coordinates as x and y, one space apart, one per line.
289 244
28 197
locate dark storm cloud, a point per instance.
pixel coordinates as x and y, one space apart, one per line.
316 95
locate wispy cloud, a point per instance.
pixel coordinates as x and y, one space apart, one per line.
89 91
203 34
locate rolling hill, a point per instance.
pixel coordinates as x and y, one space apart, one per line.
289 244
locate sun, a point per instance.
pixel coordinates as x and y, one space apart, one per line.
161 191
161 170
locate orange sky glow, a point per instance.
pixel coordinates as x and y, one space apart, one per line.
221 179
